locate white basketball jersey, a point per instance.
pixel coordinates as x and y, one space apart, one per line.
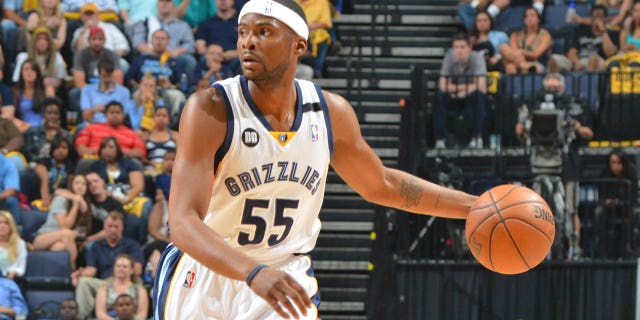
269 186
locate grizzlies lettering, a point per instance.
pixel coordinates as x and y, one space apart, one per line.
281 171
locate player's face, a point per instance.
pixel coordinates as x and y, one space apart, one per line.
265 47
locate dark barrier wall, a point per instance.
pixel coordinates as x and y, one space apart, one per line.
553 290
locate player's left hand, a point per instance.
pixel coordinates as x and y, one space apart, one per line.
279 289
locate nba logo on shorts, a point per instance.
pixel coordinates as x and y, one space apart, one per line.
189 279
315 134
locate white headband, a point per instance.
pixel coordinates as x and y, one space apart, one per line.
276 10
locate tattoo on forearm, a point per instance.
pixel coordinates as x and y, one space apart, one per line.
411 192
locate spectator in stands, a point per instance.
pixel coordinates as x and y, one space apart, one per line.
85 66
9 187
68 310
630 34
318 13
94 97
69 218
163 67
11 142
158 226
161 139
49 15
107 10
38 139
115 40
616 14
194 11
101 204
100 260
616 197
12 303
89 139
141 113
581 123
123 282
181 42
13 18
125 182
529 48
467 10
220 29
462 82
211 68
13 250
53 172
29 93
588 50
152 253
125 308
484 38
133 12
42 50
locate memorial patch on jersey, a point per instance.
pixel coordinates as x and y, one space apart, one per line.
250 137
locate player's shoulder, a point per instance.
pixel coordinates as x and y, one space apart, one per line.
335 102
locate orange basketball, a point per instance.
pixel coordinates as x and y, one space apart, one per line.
510 229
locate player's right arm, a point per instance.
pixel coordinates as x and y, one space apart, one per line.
202 132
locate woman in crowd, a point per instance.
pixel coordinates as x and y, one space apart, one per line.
529 48
161 138
29 93
484 38
69 217
630 34
43 51
49 15
54 172
125 182
13 250
38 139
616 195
123 281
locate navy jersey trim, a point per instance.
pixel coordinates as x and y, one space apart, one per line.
327 119
244 84
168 264
222 151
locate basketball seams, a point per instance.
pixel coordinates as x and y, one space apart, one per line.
506 228
531 225
504 196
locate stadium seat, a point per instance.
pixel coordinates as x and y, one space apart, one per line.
555 16
522 85
45 304
31 222
585 86
48 270
510 19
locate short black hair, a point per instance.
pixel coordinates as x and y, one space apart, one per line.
106 64
599 7
293 6
113 103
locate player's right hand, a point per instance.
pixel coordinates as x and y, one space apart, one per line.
279 289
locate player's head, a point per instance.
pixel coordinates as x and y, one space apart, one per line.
272 34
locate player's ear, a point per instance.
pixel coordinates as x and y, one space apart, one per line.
300 46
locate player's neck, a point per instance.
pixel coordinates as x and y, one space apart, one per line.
276 102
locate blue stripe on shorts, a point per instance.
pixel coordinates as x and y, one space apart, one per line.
168 264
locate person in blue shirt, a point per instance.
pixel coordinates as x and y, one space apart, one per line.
12 302
94 97
9 187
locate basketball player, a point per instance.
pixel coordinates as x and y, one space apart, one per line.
249 179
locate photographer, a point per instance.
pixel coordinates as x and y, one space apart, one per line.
572 130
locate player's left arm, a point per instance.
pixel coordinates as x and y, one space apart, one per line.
360 167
